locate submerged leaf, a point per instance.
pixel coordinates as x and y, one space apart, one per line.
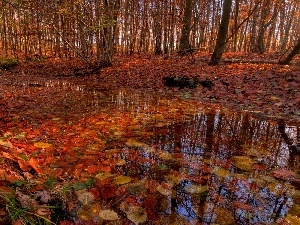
108 215
134 213
283 174
195 189
85 197
243 162
163 191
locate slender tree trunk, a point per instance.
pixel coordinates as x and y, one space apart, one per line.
184 42
222 34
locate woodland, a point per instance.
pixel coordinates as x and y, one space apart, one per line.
149 112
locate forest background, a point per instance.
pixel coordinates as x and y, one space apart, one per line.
97 30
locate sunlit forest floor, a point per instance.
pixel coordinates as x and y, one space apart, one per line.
266 88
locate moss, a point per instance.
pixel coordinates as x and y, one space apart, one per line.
8 63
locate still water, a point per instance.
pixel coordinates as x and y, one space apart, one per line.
163 158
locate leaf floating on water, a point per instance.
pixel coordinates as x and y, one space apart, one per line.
243 162
174 178
165 156
221 172
42 145
242 205
134 213
134 143
108 215
195 189
122 180
283 174
163 191
85 197
103 176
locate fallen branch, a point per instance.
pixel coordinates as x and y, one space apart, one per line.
250 61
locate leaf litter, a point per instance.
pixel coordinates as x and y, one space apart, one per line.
60 138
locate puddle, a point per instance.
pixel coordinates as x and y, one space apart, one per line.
160 159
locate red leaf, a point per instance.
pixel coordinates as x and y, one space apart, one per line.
108 191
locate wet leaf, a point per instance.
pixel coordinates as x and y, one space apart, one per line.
221 172
134 213
163 191
103 176
165 156
108 215
195 189
242 205
243 162
85 197
122 180
108 191
135 143
283 174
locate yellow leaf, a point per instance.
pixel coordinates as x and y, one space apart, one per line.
221 172
108 215
42 145
103 176
6 143
243 162
122 180
195 189
134 143
274 98
164 191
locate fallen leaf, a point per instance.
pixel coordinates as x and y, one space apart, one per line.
42 145
6 143
283 174
243 162
108 215
195 189
134 143
122 180
163 191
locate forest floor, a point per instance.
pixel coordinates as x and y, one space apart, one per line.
59 132
266 88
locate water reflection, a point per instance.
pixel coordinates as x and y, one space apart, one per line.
231 154
206 165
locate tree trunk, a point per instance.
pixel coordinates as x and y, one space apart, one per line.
185 32
222 34
290 56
